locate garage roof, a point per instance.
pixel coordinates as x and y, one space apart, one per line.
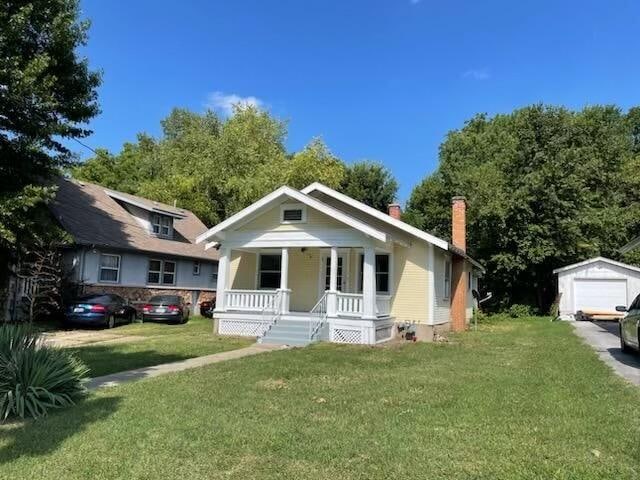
594 260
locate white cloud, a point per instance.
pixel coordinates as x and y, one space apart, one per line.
224 102
477 74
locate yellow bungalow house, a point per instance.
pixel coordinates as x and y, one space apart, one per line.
301 266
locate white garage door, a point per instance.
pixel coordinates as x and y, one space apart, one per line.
599 294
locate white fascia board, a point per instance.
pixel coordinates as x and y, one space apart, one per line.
302 198
595 260
143 206
416 232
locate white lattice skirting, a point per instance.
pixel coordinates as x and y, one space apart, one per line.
245 328
355 332
347 335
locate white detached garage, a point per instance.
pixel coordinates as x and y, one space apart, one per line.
596 286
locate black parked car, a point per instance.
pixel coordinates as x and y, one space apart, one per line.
104 309
630 326
167 308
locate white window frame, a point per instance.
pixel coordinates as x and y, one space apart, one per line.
447 278
293 206
196 267
161 222
161 273
101 267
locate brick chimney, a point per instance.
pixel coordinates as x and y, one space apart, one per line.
395 211
459 290
459 222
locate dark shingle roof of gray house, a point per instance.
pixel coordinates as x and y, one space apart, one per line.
96 216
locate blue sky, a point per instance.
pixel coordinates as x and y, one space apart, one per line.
378 79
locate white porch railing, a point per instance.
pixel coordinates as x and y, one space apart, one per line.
250 300
348 304
351 305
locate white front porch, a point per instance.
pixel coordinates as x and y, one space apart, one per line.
351 310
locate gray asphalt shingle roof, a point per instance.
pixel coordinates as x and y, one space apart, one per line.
94 217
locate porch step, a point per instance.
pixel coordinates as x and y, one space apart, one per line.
288 332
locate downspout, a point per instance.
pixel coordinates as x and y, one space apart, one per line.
431 278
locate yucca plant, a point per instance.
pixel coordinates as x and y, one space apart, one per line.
34 377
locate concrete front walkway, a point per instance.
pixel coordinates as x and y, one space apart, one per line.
116 379
607 346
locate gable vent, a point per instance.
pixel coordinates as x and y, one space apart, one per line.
294 215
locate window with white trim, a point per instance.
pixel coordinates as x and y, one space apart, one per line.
293 213
162 225
382 273
196 267
269 271
161 272
447 278
109 268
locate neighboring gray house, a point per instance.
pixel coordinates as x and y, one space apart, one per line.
132 246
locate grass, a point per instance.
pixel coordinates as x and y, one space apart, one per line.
517 399
155 343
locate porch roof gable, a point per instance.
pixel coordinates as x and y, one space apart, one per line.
267 202
389 220
399 224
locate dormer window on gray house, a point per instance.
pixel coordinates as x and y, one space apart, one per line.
162 225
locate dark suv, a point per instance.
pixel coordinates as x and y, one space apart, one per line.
630 326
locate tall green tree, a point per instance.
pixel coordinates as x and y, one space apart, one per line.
213 166
47 94
545 187
314 163
371 183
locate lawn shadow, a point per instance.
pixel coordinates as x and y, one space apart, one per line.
33 438
105 360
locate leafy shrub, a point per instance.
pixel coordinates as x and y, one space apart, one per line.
35 378
479 316
518 311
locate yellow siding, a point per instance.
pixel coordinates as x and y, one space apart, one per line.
243 270
270 222
303 278
410 283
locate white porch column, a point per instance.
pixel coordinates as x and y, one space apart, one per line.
369 283
284 281
332 294
223 276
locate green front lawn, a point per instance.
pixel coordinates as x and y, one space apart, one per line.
518 399
155 343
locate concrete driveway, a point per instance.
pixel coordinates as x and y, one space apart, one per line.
604 338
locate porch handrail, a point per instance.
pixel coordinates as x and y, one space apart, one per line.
318 316
271 313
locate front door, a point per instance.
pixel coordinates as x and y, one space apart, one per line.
342 280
